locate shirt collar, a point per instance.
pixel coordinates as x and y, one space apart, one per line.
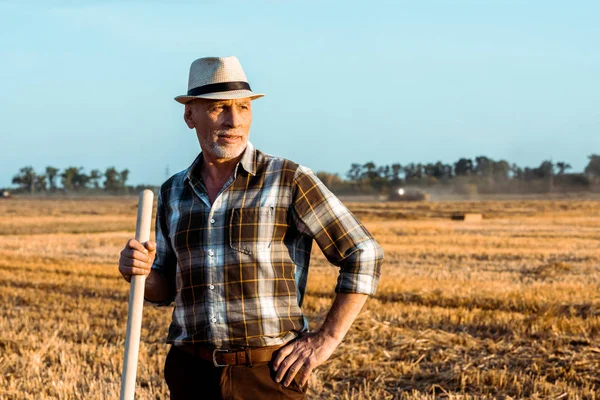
247 162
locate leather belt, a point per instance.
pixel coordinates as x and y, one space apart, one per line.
224 357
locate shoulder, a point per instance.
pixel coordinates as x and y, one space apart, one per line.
270 164
291 173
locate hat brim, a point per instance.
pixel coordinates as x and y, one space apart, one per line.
229 95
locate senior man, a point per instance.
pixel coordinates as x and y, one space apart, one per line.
233 239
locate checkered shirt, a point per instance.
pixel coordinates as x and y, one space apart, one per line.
237 268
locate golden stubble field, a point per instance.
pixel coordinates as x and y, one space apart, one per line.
505 308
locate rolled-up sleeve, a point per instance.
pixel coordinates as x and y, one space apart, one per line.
345 242
165 261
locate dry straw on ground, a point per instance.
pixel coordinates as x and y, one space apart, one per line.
505 308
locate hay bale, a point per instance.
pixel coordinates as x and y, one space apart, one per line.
468 217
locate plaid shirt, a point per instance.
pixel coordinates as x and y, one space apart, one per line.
237 268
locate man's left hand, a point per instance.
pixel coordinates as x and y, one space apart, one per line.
302 356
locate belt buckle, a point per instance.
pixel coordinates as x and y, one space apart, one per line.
214 357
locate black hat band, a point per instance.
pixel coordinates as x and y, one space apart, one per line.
218 87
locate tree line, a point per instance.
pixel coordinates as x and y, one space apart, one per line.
481 174
72 179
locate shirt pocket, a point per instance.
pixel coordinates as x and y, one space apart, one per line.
251 229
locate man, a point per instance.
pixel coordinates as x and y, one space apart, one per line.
233 239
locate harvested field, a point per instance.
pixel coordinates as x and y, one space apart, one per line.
508 307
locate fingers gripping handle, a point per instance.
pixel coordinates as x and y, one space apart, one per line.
136 301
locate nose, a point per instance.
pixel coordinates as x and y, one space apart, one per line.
233 118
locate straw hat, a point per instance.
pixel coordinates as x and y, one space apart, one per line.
217 78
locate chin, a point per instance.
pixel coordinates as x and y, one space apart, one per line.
227 152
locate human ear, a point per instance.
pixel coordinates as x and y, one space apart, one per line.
187 116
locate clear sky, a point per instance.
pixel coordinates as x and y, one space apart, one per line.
91 83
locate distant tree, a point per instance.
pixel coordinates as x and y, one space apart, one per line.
385 172
25 179
517 172
592 170
463 167
562 167
500 170
448 171
413 172
396 171
530 174
354 173
51 174
67 177
438 170
419 171
40 183
429 170
410 172
545 170
81 180
73 178
112 182
369 171
484 166
95 176
123 176
381 178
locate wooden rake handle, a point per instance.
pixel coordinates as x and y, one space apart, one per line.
136 301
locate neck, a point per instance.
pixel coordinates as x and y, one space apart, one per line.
218 170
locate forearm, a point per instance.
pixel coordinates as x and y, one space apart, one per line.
343 312
157 287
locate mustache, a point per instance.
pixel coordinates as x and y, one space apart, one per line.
228 132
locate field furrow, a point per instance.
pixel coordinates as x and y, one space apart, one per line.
508 307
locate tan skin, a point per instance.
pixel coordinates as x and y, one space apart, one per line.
222 128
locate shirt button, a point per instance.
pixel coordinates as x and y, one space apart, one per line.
212 287
213 319
212 220
211 253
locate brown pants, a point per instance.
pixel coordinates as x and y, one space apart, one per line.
190 377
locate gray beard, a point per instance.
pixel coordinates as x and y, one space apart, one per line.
226 152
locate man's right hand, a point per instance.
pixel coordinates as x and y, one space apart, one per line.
136 259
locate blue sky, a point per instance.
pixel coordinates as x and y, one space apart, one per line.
92 83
